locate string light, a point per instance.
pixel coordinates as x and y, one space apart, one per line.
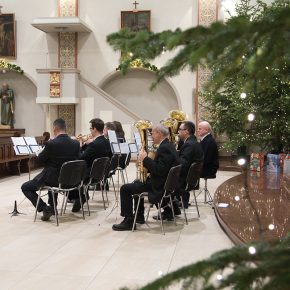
243 95
271 227
251 117
252 250
242 161
219 277
237 198
160 273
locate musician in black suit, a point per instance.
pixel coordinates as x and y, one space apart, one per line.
96 146
166 157
57 151
190 151
210 150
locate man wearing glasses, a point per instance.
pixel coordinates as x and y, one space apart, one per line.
95 147
190 151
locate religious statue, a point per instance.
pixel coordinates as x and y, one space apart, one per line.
7 106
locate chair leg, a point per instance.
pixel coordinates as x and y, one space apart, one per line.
86 189
196 203
54 207
80 197
94 191
136 212
126 175
38 198
147 215
103 196
123 177
171 204
185 217
161 220
114 187
63 205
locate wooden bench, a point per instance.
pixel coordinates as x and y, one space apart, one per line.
11 162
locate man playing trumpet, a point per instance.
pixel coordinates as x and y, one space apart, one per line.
96 146
166 157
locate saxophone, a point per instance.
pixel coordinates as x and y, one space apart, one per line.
143 127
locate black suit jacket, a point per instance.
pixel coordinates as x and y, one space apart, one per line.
55 153
211 156
100 147
191 151
166 157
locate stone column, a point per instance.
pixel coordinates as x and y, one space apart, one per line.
207 14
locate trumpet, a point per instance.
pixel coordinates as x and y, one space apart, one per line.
83 138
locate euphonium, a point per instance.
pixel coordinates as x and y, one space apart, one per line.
179 116
171 124
142 126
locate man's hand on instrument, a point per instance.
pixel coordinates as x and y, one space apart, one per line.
142 154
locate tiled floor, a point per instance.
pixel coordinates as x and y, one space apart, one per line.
88 254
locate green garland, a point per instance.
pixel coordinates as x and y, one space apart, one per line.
140 63
5 65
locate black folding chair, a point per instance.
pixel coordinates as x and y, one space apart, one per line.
192 183
71 177
97 175
169 187
110 171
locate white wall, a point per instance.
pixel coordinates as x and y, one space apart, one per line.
96 59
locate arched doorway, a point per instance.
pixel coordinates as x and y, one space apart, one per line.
133 90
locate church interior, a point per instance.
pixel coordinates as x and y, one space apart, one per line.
56 62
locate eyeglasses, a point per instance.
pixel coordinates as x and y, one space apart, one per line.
180 129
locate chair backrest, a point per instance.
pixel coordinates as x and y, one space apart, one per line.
72 173
172 179
113 165
193 175
98 169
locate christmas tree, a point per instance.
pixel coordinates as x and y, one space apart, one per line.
249 57
248 54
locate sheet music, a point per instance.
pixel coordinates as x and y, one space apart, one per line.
18 141
133 148
32 144
115 148
25 145
20 146
112 136
138 139
124 147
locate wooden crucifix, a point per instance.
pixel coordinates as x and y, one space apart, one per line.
135 4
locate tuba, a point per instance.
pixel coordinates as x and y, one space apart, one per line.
143 127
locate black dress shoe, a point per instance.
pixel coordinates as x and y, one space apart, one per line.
125 225
77 205
176 209
165 216
47 213
140 219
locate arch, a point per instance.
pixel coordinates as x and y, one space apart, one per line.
153 105
28 114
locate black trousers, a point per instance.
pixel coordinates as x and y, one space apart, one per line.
126 192
29 189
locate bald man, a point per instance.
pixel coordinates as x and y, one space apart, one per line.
210 150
